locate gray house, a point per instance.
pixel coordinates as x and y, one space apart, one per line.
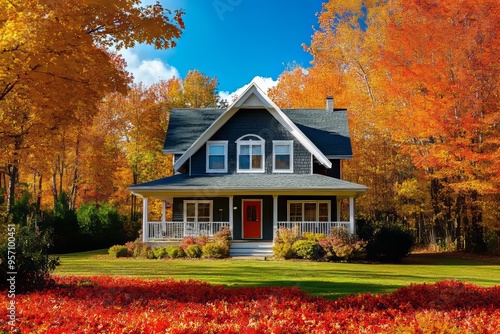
255 168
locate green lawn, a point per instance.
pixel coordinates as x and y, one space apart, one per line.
330 280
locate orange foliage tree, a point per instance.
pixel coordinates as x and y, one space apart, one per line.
420 80
55 68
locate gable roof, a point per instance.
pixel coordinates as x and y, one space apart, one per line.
253 97
187 125
329 131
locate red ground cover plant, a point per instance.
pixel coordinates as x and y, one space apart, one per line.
128 305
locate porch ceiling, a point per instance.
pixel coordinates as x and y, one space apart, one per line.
244 184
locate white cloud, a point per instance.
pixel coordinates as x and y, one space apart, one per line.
148 71
264 83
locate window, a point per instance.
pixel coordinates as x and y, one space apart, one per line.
217 156
198 211
309 211
250 150
283 156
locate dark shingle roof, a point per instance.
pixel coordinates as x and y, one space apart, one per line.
327 130
187 125
261 182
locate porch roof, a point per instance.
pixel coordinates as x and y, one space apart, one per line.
235 184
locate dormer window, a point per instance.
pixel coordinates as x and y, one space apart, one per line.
217 157
250 150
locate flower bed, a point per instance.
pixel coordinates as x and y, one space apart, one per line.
128 305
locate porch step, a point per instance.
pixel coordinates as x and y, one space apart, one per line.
259 249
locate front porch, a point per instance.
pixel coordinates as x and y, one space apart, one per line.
176 231
254 207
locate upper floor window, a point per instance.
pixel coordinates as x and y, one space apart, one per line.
283 156
250 150
217 157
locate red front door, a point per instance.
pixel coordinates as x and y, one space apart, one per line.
252 220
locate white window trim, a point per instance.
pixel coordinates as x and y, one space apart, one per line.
283 142
328 202
251 142
196 210
216 142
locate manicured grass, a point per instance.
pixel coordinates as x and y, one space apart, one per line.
330 280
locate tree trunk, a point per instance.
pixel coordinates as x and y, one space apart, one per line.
54 186
476 231
13 172
74 182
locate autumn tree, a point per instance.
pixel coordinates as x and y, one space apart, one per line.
56 59
419 79
441 65
200 91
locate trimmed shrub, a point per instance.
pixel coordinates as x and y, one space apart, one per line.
142 249
214 250
345 247
313 236
174 252
328 246
202 240
390 244
194 251
287 236
186 242
223 236
130 246
159 252
306 249
283 251
119 251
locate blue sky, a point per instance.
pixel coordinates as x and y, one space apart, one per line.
233 40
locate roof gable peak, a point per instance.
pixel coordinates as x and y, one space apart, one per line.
254 98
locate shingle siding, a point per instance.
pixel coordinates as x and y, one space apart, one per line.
258 122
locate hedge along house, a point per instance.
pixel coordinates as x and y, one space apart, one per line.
255 168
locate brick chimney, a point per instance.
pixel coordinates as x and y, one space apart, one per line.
329 103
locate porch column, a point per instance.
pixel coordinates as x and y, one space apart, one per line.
352 218
275 215
163 211
231 208
145 230
339 209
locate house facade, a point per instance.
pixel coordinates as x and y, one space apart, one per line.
254 168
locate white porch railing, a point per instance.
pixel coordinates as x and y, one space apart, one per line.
159 231
317 227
